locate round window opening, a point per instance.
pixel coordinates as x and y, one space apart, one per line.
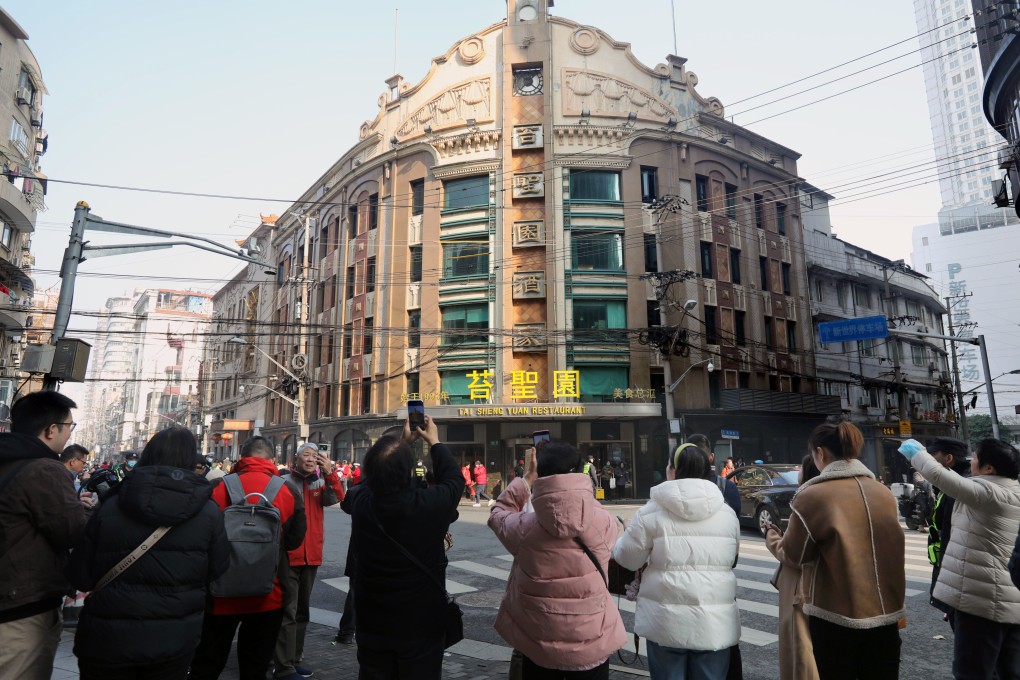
527 13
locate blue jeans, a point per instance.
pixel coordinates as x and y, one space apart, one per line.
480 493
668 663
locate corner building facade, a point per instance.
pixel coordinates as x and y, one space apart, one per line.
485 247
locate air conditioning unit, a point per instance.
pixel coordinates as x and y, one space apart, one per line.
24 95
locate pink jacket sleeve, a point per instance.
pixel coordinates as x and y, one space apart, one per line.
507 519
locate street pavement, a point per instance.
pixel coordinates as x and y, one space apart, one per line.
477 575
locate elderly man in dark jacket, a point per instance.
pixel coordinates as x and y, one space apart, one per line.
399 626
40 517
158 602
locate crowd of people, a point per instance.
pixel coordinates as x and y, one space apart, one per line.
181 554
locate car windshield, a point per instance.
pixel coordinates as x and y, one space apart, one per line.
789 477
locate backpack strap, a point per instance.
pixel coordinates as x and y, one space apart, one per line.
235 490
273 488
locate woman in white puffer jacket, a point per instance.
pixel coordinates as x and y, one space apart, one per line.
686 607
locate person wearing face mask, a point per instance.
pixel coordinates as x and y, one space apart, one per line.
130 461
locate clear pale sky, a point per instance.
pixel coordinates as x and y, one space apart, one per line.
258 98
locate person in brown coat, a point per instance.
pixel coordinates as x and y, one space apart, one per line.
796 655
847 524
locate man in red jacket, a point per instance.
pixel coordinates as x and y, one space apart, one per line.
259 617
318 492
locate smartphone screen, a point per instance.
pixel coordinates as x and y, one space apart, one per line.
540 437
416 413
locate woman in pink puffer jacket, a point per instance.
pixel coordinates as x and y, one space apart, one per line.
557 610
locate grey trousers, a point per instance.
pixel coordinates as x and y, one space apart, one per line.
290 644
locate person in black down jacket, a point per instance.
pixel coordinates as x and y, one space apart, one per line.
147 622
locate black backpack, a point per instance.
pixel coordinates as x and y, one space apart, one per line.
253 531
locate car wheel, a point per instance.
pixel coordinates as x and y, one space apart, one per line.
765 515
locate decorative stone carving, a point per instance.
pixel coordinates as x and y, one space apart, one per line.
529 285
472 50
486 140
529 337
606 95
528 137
585 41
528 185
452 108
528 234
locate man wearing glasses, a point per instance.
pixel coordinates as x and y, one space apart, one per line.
40 517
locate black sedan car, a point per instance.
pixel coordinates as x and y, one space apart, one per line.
765 493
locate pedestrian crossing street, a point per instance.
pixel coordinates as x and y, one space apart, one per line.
756 598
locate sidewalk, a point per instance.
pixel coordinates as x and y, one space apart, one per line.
471 660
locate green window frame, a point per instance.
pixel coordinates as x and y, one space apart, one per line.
466 192
598 382
594 185
600 315
455 384
465 258
597 251
460 320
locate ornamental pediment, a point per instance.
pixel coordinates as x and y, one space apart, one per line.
451 108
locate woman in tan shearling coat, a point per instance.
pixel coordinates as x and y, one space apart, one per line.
796 654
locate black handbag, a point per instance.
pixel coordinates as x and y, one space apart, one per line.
454 620
620 575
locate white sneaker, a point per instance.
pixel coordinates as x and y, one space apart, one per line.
477 504
491 502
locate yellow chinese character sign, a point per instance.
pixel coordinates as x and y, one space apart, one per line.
523 385
567 384
480 385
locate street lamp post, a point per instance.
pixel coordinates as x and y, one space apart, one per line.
303 429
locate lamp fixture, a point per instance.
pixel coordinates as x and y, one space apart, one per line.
671 123
724 139
427 129
394 141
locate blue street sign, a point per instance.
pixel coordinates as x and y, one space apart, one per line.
730 434
864 328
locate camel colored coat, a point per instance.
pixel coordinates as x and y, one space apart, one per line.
796 653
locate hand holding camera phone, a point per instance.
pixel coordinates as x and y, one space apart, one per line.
416 414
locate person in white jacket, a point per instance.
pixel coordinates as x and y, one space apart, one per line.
686 607
974 579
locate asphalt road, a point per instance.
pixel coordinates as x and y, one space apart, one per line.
479 565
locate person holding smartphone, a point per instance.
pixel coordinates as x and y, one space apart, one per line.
316 477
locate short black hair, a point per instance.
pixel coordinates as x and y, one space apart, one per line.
558 458
692 463
174 447
1000 455
808 469
389 466
36 411
701 441
73 451
258 447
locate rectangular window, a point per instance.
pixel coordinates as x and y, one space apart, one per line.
654 316
349 289
352 222
914 310
469 192
781 218
324 240
701 188
734 265
759 211
19 137
791 336
366 396
711 326
740 328
596 250
465 258
649 184
706 260
917 355
599 382
413 383
763 270
348 341
414 328
418 197
415 264
651 253
867 347
368 335
594 185
599 315
862 298
731 201
786 279
345 399
370 276
464 324
373 211
770 343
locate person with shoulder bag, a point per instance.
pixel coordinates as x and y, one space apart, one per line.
146 556
557 609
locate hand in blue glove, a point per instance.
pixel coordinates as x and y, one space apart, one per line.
911 448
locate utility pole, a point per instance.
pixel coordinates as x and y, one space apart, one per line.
964 434
68 275
900 392
990 390
302 411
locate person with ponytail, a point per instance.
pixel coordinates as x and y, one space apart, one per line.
846 526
